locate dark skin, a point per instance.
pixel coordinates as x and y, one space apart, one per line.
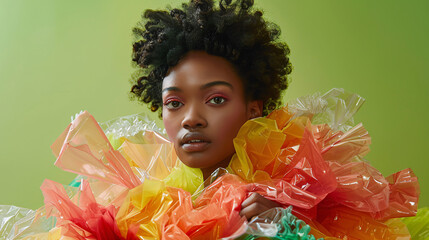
204 106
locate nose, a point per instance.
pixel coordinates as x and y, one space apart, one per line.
194 118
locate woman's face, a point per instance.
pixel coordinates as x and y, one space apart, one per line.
204 106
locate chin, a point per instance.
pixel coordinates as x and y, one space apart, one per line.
203 160
193 163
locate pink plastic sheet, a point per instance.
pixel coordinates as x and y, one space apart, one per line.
83 148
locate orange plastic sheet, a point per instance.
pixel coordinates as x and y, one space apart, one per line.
327 166
153 209
308 155
257 144
345 223
306 179
82 218
144 210
83 148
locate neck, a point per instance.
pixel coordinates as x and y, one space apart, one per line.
209 170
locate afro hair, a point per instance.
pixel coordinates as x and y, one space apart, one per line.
233 30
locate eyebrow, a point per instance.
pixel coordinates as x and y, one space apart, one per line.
205 86
215 83
174 89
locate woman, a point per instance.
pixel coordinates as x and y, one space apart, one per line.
211 72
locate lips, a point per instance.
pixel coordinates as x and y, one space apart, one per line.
194 142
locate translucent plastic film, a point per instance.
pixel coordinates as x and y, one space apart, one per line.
82 218
84 149
138 128
343 222
336 108
9 216
18 223
153 210
143 144
304 181
308 158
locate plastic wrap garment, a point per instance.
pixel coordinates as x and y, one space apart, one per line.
308 155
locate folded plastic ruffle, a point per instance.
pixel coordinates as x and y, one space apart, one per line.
80 217
84 149
154 210
308 155
332 170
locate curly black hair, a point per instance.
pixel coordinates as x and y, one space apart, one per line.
233 30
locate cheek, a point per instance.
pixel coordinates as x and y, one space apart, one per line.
170 126
229 123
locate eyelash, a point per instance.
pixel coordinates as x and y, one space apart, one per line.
224 99
169 103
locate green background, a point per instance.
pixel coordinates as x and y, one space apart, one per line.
60 57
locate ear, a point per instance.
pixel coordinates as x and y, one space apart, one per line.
254 109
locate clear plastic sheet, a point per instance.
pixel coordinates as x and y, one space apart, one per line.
18 223
137 128
10 215
336 108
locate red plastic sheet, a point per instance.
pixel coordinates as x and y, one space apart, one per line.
83 219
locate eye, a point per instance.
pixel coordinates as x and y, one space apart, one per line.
173 104
217 100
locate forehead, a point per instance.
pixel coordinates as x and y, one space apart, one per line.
198 68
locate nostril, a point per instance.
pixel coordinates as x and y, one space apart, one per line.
194 123
193 118
192 126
